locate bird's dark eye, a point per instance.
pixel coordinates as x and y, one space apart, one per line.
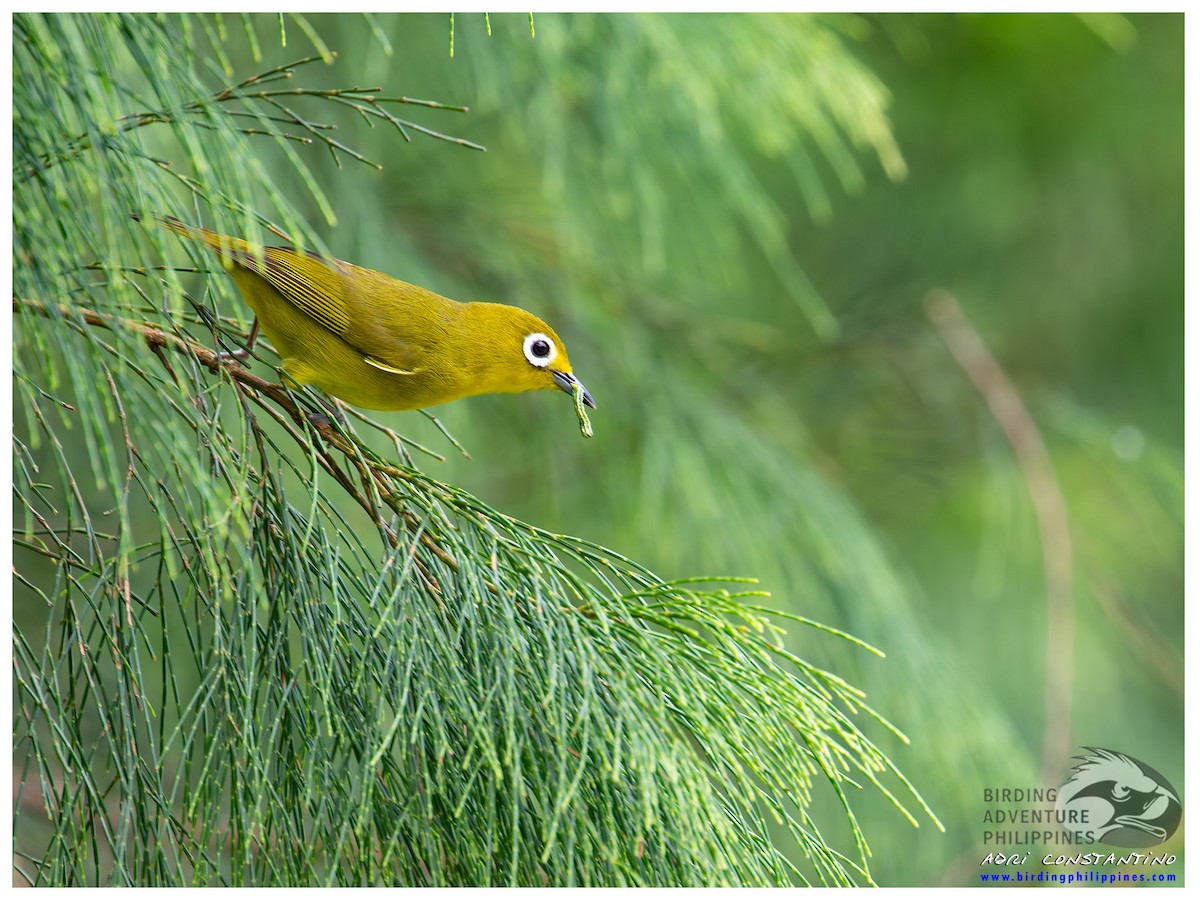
539 349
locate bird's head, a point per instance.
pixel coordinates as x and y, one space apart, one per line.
516 351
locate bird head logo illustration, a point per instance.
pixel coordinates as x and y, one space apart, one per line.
1123 801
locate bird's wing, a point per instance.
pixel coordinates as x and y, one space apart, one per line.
318 287
310 283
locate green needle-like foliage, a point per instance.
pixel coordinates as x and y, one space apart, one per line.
255 644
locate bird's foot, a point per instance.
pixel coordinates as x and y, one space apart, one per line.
239 356
319 419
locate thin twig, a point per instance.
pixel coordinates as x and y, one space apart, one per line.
1049 508
365 101
1154 650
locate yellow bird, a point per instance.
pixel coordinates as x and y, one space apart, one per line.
381 343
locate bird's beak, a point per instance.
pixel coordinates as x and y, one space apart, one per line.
567 382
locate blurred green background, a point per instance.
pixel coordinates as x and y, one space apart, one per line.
733 222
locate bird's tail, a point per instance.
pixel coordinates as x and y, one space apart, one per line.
222 244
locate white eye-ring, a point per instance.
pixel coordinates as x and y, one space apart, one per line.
539 349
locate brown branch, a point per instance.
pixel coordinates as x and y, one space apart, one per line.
380 473
1049 508
156 338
